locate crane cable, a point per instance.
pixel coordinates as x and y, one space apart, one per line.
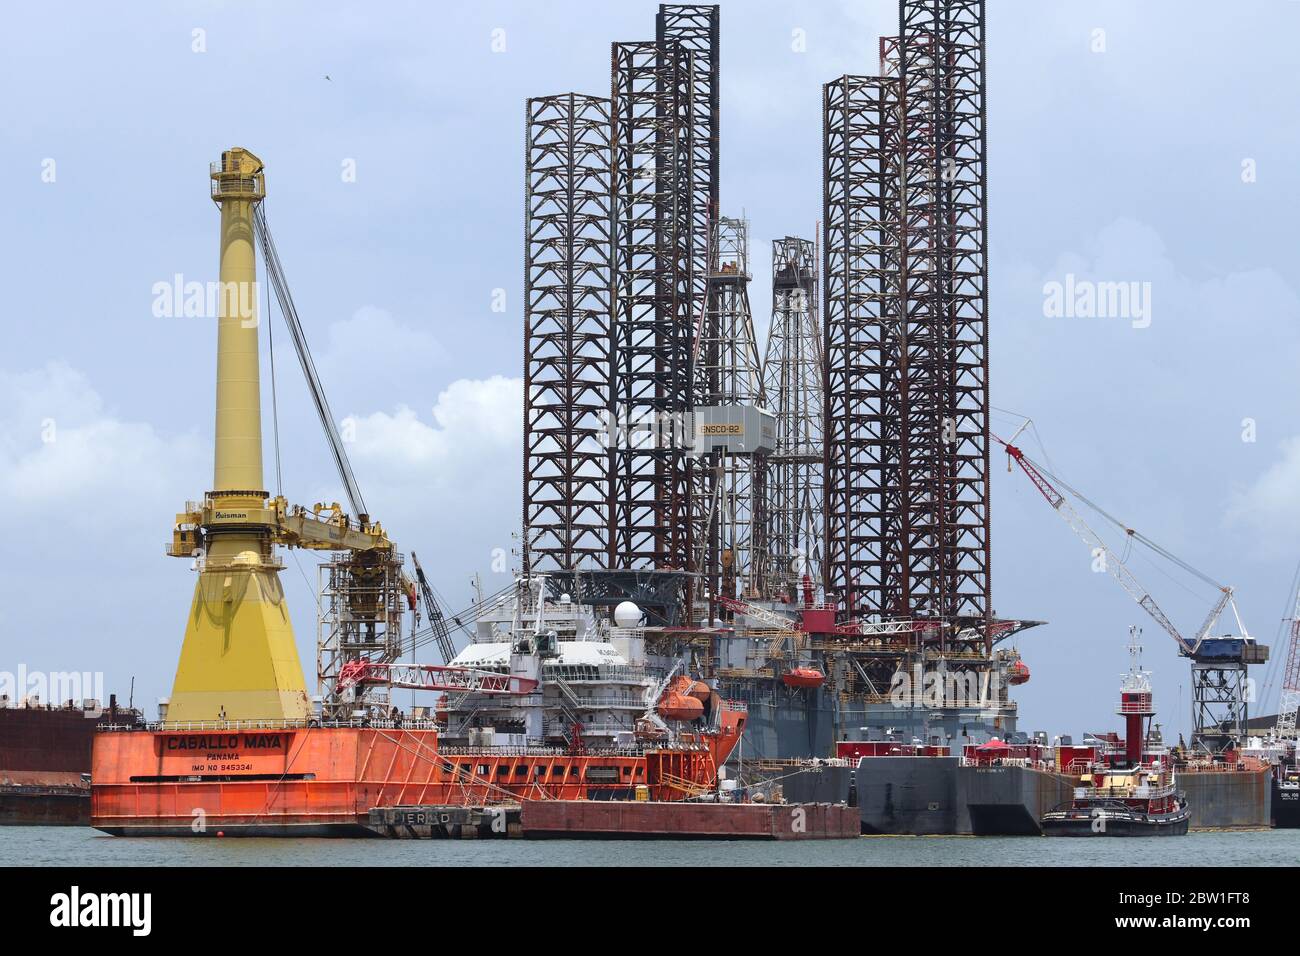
427 635
1132 533
275 414
275 404
275 272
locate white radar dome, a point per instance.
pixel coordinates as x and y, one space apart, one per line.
627 614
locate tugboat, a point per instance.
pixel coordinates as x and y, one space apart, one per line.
1141 801
1130 791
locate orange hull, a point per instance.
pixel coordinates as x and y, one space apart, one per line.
324 781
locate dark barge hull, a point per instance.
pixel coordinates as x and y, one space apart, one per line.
42 806
1286 807
1141 826
938 796
935 796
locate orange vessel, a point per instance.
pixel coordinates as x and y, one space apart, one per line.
323 781
577 713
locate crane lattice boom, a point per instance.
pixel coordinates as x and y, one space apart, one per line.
433 677
1289 703
1112 563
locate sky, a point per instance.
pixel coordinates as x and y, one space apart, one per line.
1152 143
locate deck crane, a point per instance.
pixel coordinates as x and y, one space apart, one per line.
1289 701
464 620
432 610
1220 688
238 660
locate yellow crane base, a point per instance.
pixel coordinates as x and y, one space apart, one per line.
239 660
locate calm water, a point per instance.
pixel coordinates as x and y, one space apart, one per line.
75 846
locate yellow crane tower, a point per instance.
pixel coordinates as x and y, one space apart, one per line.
239 661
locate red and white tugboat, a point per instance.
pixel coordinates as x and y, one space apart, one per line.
1131 790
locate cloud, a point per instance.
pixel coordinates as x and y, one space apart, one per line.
61 451
447 485
372 339
90 497
1269 507
475 424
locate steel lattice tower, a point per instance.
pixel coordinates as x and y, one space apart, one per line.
944 272
731 545
792 384
652 87
906 339
696 28
568 343
861 227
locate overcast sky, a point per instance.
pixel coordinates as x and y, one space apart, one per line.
1151 142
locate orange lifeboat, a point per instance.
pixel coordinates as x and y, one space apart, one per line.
674 705
440 710
803 677
700 691
1018 673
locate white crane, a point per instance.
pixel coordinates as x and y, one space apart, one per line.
1118 570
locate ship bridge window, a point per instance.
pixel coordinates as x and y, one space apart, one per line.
521 771
502 770
482 770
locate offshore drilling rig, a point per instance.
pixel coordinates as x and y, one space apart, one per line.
847 473
824 510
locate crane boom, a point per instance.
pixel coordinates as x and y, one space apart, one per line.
433 677
1118 570
1289 702
771 618
468 617
437 620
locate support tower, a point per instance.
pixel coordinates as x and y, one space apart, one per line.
792 385
568 334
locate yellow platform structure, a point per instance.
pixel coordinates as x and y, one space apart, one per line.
239 661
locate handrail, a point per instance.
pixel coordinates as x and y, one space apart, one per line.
360 723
